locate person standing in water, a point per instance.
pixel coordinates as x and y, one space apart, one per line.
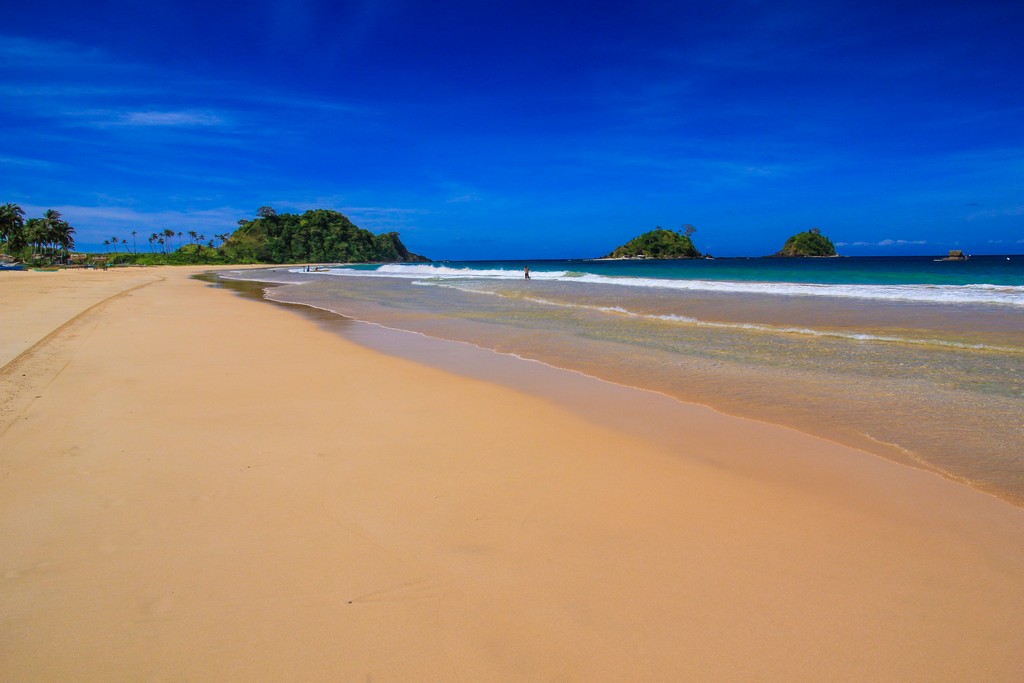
526 272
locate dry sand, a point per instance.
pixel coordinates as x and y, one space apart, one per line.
198 487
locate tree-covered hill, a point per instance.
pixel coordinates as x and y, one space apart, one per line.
659 244
808 243
316 236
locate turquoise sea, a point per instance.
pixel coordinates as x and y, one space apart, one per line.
911 358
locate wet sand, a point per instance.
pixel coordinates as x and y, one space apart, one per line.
197 486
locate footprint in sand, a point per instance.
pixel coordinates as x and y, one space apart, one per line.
18 573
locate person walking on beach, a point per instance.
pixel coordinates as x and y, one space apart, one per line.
526 272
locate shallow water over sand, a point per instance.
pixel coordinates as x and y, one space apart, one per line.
940 385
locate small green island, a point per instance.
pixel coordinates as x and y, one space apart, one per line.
808 243
658 244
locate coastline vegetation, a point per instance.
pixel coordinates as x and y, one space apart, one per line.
316 236
50 236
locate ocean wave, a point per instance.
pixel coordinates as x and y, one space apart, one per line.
1006 295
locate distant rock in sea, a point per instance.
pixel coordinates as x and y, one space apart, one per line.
808 243
658 244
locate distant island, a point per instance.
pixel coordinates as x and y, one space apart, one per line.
659 244
808 243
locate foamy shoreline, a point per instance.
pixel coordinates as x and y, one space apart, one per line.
183 497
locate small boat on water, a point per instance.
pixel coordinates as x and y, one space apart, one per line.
11 266
46 270
954 255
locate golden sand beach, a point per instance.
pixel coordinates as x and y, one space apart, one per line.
195 486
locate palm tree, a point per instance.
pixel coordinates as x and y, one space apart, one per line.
35 232
106 245
135 246
48 230
152 240
12 227
55 232
114 241
169 234
193 235
65 237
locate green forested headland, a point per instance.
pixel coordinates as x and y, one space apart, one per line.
316 236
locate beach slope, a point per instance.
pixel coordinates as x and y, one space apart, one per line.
195 486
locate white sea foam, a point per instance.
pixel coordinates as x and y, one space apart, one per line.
1005 295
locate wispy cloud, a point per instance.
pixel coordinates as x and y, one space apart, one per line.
27 162
152 118
95 223
1014 210
377 218
882 243
171 118
120 214
54 79
45 54
463 198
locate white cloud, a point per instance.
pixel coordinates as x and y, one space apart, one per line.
889 243
462 199
128 215
185 118
26 162
29 52
996 213
96 223
377 218
882 243
170 118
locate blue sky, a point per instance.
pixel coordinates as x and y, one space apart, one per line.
525 129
